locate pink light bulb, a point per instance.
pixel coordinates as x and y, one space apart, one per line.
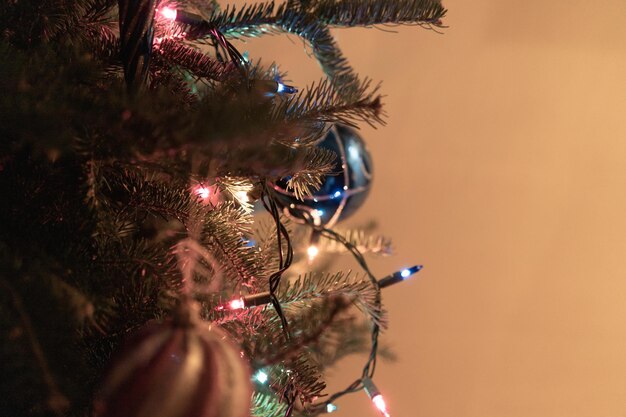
203 192
168 13
236 304
379 402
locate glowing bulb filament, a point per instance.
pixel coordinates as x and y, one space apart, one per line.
236 304
379 403
203 192
377 399
312 251
261 376
168 13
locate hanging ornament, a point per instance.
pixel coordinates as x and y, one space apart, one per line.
182 367
342 192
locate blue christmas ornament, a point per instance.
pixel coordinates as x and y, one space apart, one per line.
343 191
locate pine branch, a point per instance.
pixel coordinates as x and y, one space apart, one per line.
175 53
259 331
125 191
56 402
346 336
315 285
266 241
238 189
312 325
309 20
304 381
104 44
309 177
267 405
97 26
29 25
224 227
224 234
334 64
278 162
351 13
265 18
322 102
361 239
204 7
246 21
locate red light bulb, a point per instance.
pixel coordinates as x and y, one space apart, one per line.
375 395
236 304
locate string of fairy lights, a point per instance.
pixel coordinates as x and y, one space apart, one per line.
365 381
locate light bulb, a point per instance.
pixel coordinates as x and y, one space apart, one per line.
330 407
398 276
203 192
312 251
236 304
168 13
379 402
261 376
375 395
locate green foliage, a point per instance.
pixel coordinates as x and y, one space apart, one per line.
312 286
267 405
363 239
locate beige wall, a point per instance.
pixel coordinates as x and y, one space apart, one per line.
503 171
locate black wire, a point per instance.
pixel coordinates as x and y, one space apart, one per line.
370 365
284 261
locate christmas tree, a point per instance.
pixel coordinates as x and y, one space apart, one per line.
162 199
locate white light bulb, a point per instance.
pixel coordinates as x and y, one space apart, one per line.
330 407
379 402
261 376
312 251
168 13
405 273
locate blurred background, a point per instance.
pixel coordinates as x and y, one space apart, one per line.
503 170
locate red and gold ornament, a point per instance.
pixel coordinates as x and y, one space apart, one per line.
181 367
